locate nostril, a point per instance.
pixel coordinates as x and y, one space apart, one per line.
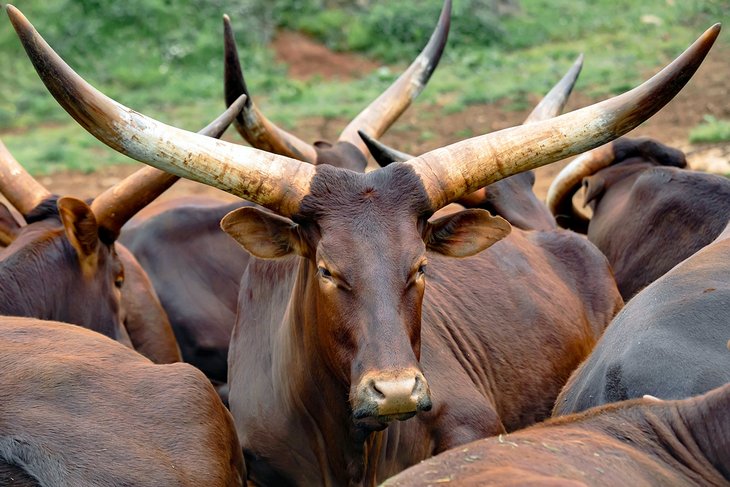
417 386
376 392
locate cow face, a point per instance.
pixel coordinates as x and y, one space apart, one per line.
365 238
75 276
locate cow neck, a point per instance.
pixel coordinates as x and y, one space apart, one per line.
693 435
347 455
707 420
35 257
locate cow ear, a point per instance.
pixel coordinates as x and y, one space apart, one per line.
263 233
593 188
9 226
81 229
465 233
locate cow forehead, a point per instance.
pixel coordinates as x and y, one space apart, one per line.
346 195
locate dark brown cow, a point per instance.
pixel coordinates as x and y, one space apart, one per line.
670 341
196 269
349 151
78 409
649 213
74 242
200 294
639 442
342 313
511 198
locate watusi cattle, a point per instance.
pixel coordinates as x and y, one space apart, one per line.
670 341
196 268
649 212
638 442
75 243
78 409
341 312
511 198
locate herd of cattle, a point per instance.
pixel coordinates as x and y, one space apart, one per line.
357 320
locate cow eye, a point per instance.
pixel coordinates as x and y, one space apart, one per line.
119 281
421 270
323 272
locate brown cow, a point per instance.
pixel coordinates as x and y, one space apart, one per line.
638 442
200 295
339 314
649 213
78 409
74 242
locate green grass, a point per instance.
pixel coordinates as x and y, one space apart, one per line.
164 58
711 130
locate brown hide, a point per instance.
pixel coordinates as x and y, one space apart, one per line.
638 442
79 409
646 219
500 333
199 294
144 318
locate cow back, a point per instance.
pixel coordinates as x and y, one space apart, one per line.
80 409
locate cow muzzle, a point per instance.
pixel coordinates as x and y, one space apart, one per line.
383 397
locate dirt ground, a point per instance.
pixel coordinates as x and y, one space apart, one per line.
707 93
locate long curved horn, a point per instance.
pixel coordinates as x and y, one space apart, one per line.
569 180
553 103
115 206
276 182
253 125
550 106
450 172
17 185
382 112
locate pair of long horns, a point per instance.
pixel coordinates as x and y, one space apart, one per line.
569 180
115 206
550 106
281 183
374 120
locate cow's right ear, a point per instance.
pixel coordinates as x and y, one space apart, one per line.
9 226
81 229
263 233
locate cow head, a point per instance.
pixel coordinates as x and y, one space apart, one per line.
363 236
349 151
600 169
367 296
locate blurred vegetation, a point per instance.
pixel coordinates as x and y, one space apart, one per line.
711 130
164 57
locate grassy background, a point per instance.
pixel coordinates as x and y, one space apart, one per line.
164 57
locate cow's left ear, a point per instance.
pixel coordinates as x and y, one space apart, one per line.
263 233
9 226
81 229
465 233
